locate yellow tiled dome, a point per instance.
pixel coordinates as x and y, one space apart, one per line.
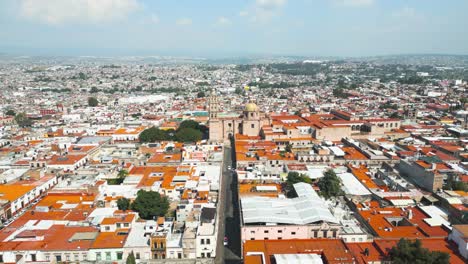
251 107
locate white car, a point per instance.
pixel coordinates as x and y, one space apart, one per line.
229 167
225 241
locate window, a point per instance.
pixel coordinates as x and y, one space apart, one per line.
293 233
252 125
252 232
207 241
108 256
279 238
334 233
1 258
126 224
252 238
137 255
161 245
208 255
118 225
47 258
119 255
280 231
265 231
107 228
179 255
202 242
67 257
85 256
33 257
98 256
202 255
265 238
58 258
325 233
315 233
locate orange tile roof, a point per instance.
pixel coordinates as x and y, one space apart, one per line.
352 153
110 240
66 159
333 251
12 192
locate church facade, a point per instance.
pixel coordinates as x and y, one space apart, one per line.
222 127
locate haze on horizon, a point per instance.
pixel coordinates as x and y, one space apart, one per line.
241 27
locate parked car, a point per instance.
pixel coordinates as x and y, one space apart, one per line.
225 242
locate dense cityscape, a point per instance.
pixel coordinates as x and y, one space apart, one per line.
312 161
233 132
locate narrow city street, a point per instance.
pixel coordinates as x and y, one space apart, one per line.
229 214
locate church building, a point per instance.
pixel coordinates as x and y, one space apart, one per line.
224 125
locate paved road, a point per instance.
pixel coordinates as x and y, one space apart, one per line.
230 214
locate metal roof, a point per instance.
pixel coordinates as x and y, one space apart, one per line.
305 209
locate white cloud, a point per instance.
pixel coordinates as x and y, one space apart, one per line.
270 4
265 10
354 2
407 13
243 13
223 21
150 19
154 19
184 21
76 11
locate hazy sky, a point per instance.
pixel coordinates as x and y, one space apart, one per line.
234 27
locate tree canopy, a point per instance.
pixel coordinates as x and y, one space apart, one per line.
131 258
123 204
150 204
188 135
10 112
23 120
293 178
189 124
92 101
153 134
329 184
188 131
201 94
407 251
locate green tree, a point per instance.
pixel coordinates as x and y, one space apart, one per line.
153 134
123 204
82 76
92 101
413 252
288 148
122 174
329 184
188 135
94 89
293 178
201 94
189 124
238 90
131 258
150 204
23 120
10 112
340 93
